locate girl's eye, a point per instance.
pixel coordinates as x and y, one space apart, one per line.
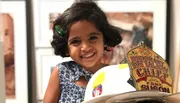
93 38
75 42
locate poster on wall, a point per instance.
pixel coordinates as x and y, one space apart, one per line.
8 52
14 51
134 27
138 20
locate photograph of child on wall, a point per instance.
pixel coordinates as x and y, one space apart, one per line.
8 52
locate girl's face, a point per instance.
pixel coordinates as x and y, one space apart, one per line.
86 46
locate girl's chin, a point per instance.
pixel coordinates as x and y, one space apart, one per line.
88 64
91 66
89 59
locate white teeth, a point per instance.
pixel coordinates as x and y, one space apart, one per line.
88 55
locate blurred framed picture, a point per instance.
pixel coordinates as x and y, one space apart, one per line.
45 12
137 20
46 61
14 51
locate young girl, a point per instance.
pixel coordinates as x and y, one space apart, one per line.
83 33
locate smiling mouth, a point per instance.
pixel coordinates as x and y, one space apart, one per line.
89 55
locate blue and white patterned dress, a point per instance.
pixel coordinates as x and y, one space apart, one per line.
68 73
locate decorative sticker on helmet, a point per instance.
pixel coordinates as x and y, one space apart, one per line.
97 85
149 70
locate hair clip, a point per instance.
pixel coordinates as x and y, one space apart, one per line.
59 30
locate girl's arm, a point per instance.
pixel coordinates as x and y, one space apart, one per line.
52 93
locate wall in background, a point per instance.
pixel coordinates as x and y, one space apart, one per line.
175 42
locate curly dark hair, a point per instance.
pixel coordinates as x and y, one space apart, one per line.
78 11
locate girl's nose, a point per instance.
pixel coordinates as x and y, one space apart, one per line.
85 46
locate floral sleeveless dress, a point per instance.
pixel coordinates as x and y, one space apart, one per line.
68 73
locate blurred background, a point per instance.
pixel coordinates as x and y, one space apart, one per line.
27 59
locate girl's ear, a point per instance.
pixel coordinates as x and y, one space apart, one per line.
67 52
107 48
107 57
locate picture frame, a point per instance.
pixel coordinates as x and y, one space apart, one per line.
157 7
159 17
16 11
2 79
42 32
2 73
46 61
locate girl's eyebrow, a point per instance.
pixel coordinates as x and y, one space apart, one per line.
94 33
73 38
